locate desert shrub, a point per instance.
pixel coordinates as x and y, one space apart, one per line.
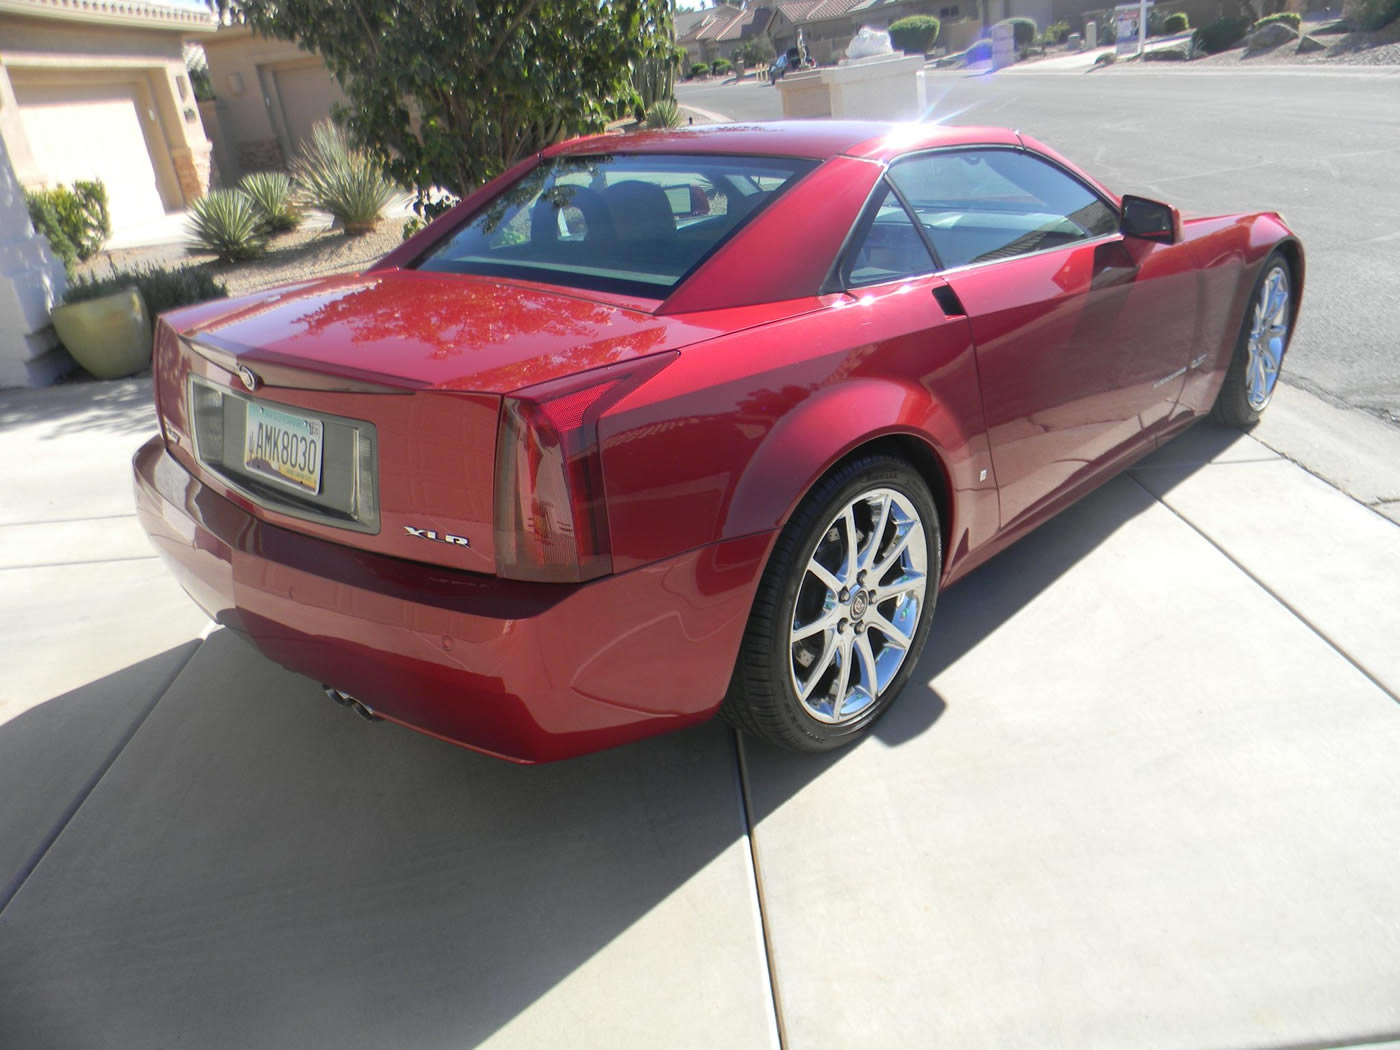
1023 31
700 69
227 223
1370 14
1221 35
1057 32
1176 22
272 193
346 182
915 34
162 289
1292 19
720 66
75 221
664 114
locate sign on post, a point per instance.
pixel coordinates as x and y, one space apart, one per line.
1132 27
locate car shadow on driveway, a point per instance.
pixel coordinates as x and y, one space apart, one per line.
260 868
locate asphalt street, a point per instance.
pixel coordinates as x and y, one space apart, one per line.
1321 147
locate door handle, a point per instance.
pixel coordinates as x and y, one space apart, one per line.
949 301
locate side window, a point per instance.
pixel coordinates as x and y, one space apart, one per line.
979 205
888 248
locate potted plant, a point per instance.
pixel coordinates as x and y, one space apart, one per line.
106 324
106 329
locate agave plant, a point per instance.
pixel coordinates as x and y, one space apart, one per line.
344 181
228 223
271 191
664 114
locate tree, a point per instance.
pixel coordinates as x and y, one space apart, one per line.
449 93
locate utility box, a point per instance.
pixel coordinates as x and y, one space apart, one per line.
883 87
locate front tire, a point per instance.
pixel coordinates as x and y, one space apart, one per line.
1258 358
843 610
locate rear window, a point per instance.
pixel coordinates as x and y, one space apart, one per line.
629 224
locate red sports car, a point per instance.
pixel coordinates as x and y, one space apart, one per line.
660 425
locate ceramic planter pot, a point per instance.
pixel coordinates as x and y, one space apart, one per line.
110 337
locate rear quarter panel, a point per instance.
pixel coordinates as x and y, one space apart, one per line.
727 441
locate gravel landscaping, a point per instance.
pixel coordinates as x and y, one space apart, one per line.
1380 48
291 257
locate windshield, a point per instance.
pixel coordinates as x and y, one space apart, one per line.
629 224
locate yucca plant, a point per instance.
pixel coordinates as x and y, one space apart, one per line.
344 181
228 223
271 191
664 114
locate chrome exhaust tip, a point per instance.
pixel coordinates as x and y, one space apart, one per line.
346 700
337 697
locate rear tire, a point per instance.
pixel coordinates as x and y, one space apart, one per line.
1258 358
843 610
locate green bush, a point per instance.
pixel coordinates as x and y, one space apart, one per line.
76 222
1057 33
664 114
162 289
1023 31
1220 35
914 34
758 52
341 180
1176 22
700 69
1292 19
227 223
1370 14
271 191
720 66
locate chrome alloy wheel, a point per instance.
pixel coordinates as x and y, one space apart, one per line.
858 606
1268 335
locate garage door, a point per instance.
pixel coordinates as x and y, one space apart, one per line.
93 131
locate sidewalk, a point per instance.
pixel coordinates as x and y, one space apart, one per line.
1140 792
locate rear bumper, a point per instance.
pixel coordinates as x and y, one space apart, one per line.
529 672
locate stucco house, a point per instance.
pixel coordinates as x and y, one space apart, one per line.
88 89
99 88
268 94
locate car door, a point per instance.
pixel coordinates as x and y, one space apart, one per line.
1082 336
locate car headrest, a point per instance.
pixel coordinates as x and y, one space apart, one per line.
640 211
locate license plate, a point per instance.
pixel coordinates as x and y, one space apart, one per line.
283 447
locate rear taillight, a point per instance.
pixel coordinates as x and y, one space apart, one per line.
551 517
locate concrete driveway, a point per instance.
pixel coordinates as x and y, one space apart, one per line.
1141 792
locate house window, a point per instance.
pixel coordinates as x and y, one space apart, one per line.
948 12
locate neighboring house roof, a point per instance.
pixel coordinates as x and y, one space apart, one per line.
796 10
690 22
142 14
732 23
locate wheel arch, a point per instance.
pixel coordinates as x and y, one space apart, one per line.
920 455
830 430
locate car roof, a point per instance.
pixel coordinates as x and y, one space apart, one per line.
813 139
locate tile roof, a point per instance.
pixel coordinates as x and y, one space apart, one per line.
688 23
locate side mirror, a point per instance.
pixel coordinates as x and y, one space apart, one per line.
1149 220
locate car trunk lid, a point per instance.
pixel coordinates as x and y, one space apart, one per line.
396 378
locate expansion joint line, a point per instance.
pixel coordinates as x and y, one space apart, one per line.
746 805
